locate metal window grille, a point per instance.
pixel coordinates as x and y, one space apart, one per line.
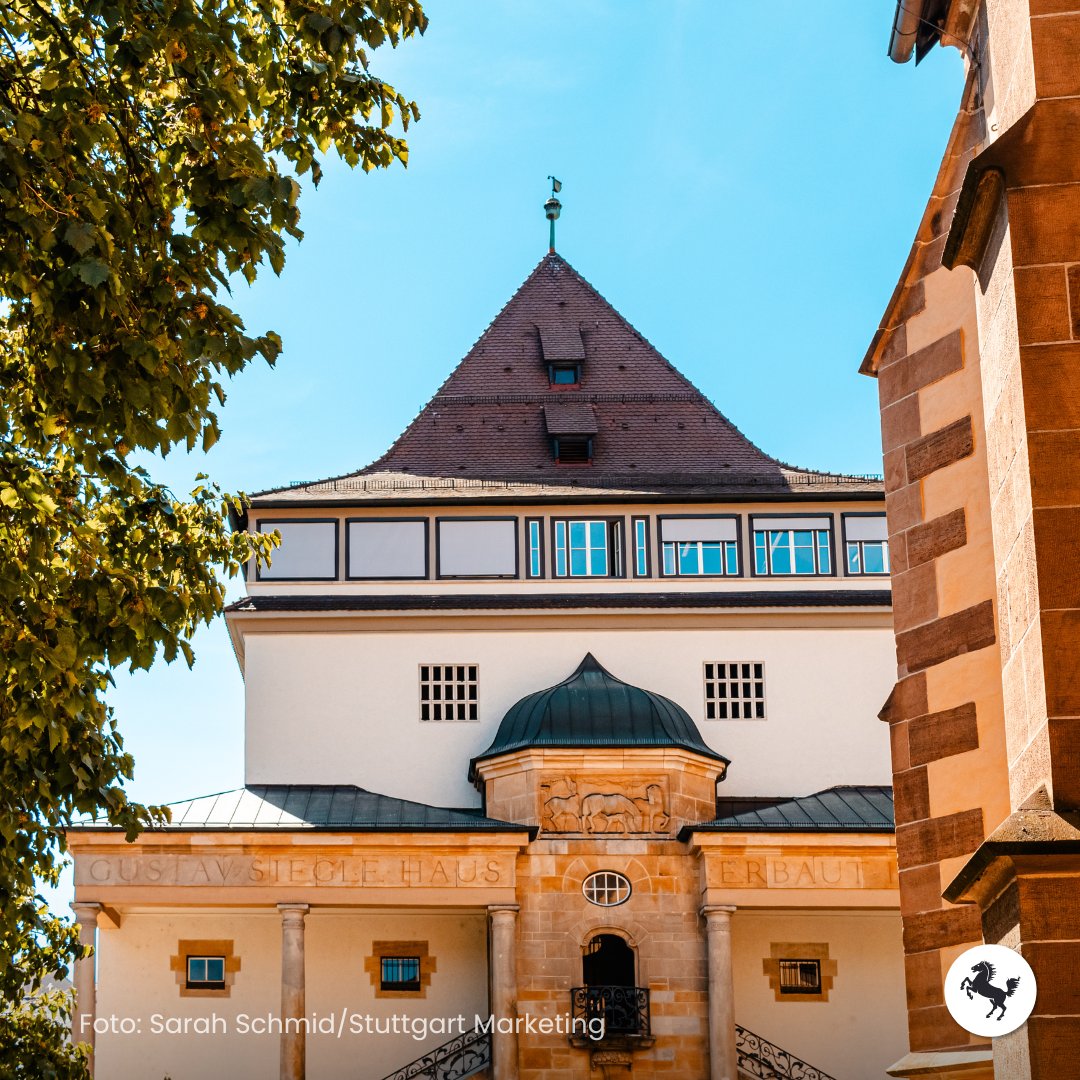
606 888
206 972
735 690
399 973
448 692
800 976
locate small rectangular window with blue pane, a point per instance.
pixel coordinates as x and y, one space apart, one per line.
798 547
866 544
641 547
206 972
535 530
399 973
699 547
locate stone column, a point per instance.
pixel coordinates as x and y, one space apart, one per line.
293 1039
722 1059
85 1012
502 962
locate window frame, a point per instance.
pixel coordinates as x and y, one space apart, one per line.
278 579
646 521
515 576
844 544
740 559
413 986
590 448
204 984
622 886
564 365
798 991
426 576
616 548
474 702
752 553
541 550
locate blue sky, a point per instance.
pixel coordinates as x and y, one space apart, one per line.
742 181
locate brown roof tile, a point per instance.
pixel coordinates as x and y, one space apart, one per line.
493 417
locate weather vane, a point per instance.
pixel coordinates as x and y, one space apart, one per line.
552 208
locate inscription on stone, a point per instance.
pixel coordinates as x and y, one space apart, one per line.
376 871
796 872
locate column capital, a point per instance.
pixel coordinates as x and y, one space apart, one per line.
503 909
294 909
86 911
708 911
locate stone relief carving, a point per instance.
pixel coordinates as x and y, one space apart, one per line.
603 805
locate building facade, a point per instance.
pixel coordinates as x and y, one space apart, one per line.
976 366
560 760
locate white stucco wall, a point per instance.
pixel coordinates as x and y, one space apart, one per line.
862 1029
134 980
343 707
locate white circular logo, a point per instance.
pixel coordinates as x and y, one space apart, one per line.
990 990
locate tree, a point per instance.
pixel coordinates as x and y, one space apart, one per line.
150 154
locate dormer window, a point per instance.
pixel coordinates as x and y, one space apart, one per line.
564 374
564 353
572 430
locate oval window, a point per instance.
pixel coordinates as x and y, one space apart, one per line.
606 888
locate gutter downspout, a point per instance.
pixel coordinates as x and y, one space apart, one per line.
905 26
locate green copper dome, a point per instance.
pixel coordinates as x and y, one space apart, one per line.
593 708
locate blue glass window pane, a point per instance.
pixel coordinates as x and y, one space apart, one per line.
874 558
669 558
731 557
688 559
215 969
534 548
711 559
853 559
824 556
760 562
564 375
597 534
577 534
560 548
639 536
780 551
578 566
804 552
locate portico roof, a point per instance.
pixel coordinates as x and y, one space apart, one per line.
342 807
848 808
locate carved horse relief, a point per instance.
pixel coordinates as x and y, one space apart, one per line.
596 808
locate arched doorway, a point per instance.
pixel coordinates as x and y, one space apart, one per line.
608 961
609 973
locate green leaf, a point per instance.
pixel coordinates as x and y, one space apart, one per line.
92 271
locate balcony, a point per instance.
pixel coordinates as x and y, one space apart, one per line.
622 1010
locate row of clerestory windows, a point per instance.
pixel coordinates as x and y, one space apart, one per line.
601 546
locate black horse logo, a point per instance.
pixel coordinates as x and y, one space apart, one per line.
984 972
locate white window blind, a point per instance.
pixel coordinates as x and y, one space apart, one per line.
866 528
308 550
478 548
799 523
690 530
387 549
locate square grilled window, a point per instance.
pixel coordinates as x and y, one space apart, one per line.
448 692
735 690
399 973
800 976
206 972
588 548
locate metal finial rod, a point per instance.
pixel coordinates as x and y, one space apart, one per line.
551 211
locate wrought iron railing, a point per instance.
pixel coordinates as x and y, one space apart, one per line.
464 1055
624 1010
759 1057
